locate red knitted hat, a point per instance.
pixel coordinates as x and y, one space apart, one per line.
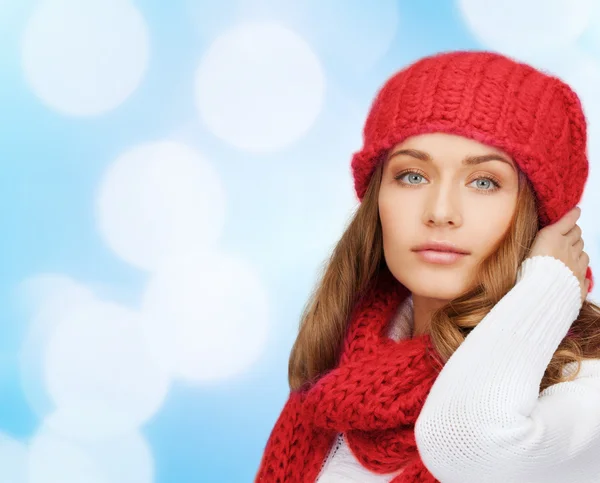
534 117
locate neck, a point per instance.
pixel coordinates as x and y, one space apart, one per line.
423 309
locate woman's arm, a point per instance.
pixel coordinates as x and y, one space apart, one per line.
484 419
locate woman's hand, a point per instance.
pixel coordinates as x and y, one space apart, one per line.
562 240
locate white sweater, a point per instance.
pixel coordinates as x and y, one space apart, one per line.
485 419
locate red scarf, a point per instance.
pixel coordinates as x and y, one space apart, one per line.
373 396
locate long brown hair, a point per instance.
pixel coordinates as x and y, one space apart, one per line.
358 258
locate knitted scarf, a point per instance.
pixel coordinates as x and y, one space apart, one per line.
373 396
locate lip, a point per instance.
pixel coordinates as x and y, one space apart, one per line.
445 247
443 258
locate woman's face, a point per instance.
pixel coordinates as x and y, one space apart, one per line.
450 189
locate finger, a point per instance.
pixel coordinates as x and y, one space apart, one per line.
574 234
578 246
583 261
567 222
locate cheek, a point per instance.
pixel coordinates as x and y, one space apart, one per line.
489 227
396 225
395 211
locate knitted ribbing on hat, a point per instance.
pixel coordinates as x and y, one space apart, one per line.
534 117
373 396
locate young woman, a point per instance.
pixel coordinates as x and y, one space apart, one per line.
449 338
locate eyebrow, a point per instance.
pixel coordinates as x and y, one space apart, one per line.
468 161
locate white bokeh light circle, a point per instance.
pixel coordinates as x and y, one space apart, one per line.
259 87
14 459
99 373
522 29
158 199
84 58
206 316
47 298
54 458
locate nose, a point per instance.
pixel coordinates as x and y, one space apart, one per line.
442 207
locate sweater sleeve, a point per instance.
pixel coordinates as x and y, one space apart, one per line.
485 419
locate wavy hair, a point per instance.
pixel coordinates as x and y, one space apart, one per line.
358 258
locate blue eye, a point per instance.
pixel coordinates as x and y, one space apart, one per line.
491 182
414 177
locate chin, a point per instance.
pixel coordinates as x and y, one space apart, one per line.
444 294
436 285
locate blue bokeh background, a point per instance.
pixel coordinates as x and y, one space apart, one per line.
69 228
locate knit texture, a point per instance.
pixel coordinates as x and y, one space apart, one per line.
373 396
534 117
